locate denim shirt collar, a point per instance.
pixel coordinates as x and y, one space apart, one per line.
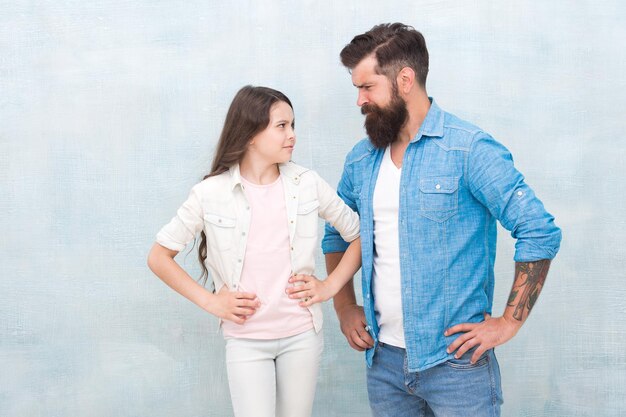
432 126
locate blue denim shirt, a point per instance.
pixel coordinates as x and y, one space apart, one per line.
456 182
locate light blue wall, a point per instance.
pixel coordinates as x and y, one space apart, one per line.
109 111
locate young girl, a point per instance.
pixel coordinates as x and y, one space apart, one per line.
257 215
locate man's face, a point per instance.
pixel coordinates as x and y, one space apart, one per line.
385 111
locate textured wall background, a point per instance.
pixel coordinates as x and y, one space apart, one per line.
109 112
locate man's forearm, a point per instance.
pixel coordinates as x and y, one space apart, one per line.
346 295
528 283
351 316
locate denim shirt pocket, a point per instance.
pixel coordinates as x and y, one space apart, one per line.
439 198
220 230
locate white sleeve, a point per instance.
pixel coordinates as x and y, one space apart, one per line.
184 227
335 211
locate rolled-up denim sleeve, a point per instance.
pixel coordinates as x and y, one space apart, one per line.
500 187
332 241
183 228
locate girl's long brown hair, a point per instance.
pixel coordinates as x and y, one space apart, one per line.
248 115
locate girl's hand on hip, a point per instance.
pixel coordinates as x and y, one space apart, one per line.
234 306
309 289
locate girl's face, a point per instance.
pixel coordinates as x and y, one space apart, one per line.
275 144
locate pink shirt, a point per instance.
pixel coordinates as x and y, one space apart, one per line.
267 268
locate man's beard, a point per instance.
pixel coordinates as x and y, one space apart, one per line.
383 124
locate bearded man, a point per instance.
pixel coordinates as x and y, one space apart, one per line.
429 188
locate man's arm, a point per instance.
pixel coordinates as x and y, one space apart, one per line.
529 280
494 181
350 315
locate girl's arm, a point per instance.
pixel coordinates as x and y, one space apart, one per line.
227 305
312 290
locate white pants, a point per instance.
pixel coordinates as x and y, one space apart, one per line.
274 378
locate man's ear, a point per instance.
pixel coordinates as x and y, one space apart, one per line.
405 80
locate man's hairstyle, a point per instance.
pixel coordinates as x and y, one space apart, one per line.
395 46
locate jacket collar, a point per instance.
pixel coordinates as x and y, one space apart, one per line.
288 170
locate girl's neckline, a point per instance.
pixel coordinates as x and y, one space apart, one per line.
252 184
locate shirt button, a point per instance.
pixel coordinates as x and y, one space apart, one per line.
292 248
294 197
519 193
243 233
437 186
291 221
247 207
239 260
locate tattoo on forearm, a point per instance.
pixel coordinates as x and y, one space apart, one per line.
529 279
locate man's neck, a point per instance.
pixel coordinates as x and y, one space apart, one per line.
418 109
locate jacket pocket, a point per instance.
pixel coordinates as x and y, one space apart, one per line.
220 230
439 198
306 223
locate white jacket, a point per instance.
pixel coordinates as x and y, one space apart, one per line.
218 206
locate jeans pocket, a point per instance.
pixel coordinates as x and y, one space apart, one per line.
463 363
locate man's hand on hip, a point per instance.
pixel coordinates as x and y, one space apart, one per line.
528 283
483 336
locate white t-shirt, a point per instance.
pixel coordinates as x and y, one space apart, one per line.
387 283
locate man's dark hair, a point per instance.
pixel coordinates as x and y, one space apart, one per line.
395 46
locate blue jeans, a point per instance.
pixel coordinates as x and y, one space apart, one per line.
452 388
